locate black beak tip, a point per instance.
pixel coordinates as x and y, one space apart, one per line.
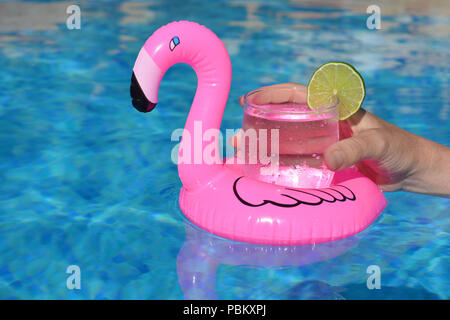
143 106
139 100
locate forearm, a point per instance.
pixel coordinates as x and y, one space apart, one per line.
433 174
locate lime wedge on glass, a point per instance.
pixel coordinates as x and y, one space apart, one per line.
336 80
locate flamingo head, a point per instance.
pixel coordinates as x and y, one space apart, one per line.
165 47
178 42
148 72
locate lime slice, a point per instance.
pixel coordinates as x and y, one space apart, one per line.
336 79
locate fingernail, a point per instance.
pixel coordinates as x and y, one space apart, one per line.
337 159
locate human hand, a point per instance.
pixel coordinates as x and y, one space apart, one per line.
393 158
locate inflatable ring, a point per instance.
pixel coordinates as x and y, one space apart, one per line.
217 196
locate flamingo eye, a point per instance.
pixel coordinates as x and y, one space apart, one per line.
173 43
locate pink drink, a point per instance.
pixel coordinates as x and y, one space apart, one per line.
303 137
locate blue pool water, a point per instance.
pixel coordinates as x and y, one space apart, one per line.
86 180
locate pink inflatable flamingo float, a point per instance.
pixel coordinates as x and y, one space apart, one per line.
217 197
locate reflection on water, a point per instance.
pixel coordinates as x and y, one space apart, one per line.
202 254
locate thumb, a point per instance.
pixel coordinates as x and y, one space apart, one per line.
369 144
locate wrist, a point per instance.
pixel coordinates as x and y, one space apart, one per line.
432 169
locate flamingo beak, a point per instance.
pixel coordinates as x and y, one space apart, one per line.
139 100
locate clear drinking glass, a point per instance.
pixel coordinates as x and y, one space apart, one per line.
284 143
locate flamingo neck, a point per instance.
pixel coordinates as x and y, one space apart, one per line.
199 150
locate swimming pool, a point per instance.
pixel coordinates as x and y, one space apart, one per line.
88 181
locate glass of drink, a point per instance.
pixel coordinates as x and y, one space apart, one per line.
284 143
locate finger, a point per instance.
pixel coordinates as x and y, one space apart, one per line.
369 144
235 141
241 100
363 120
279 93
345 130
